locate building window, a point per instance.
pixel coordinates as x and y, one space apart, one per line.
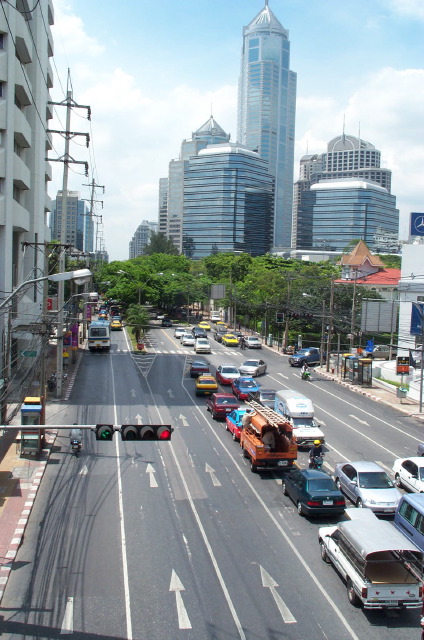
1 40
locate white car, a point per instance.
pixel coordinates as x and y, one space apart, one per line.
252 368
202 346
252 342
179 332
187 339
409 474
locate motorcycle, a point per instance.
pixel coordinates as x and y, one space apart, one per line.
316 462
76 446
306 375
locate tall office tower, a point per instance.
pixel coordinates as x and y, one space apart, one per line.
208 133
266 110
346 157
26 77
228 202
141 238
76 212
163 205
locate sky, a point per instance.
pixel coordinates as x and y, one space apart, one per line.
153 71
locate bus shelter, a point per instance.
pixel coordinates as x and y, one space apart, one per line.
31 438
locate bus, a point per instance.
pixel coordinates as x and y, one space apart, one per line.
99 335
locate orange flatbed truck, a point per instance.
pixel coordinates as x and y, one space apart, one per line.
268 440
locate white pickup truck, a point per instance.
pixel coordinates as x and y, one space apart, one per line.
381 567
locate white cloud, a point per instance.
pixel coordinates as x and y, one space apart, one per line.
408 8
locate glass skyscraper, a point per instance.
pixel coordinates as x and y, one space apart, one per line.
228 202
266 110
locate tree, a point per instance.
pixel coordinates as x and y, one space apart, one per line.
159 243
138 320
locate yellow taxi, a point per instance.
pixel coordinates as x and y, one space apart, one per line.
220 323
205 325
229 340
116 325
205 385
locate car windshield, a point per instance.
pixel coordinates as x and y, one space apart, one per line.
187 335
250 363
268 395
199 341
248 384
224 401
303 422
229 370
321 484
374 480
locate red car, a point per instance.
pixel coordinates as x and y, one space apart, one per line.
221 404
227 373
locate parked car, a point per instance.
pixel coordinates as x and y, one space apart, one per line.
310 355
198 367
166 322
382 352
243 386
253 368
313 492
367 485
409 474
221 404
264 396
188 340
198 332
179 332
252 342
205 385
230 340
202 345
226 373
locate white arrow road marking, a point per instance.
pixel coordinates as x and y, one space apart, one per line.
215 481
171 395
132 393
139 419
351 415
151 471
83 471
177 586
68 619
283 376
183 420
269 583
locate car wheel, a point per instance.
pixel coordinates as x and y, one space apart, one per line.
208 409
284 488
214 416
352 595
359 503
226 427
245 454
299 509
253 466
324 555
234 436
338 484
398 481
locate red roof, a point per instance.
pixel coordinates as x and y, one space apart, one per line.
382 278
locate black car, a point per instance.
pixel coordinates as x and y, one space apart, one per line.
198 332
313 492
219 333
198 367
166 322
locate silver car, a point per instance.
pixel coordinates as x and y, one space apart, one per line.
179 331
367 485
252 342
252 368
187 339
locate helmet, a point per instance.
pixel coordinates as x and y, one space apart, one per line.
317 442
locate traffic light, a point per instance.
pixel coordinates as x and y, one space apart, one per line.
279 316
146 431
104 431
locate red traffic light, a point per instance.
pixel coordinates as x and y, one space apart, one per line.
146 431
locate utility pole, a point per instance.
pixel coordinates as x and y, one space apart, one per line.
92 200
330 328
66 159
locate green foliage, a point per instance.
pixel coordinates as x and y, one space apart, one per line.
159 243
391 261
138 319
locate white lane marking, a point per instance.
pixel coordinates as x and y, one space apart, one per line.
83 471
269 583
151 471
170 393
67 626
183 420
215 481
122 519
139 419
132 392
351 415
177 586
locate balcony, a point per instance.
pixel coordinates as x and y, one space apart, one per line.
22 129
21 174
21 217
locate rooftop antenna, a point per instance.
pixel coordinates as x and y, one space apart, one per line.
266 4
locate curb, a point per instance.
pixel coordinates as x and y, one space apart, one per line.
18 535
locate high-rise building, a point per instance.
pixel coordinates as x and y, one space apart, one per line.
76 213
346 157
26 77
266 110
332 213
141 238
208 134
228 202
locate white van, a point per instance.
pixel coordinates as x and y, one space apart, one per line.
215 316
299 411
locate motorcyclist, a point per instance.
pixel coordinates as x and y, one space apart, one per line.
304 369
75 435
242 342
316 451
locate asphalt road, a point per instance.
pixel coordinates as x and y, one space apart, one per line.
159 541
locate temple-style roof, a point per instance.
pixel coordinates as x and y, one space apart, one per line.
360 255
212 128
267 19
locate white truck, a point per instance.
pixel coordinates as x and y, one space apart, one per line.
382 569
299 412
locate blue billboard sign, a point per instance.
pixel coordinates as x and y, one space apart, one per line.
417 224
417 314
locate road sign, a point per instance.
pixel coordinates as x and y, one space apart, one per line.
417 313
402 365
28 354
